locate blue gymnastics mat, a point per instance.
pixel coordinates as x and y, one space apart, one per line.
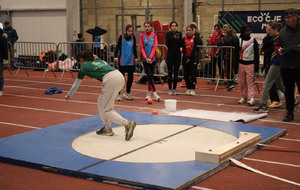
50 149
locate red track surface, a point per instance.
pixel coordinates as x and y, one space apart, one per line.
25 103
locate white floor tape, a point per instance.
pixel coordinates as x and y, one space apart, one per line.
272 162
262 173
270 145
289 139
201 188
219 116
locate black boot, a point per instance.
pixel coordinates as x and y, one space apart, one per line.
289 117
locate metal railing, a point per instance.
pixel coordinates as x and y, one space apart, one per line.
215 63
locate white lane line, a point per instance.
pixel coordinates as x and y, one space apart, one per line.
43 89
272 162
262 173
271 146
19 125
54 83
47 110
201 188
286 139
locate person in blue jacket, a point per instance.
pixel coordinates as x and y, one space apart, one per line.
126 55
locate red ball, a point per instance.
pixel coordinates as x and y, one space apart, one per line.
154 112
149 101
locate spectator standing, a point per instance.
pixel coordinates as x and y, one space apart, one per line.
174 43
289 59
230 56
3 55
248 65
273 76
79 46
97 33
12 37
215 59
126 55
190 60
148 45
267 50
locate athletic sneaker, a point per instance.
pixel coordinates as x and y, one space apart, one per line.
297 104
188 92
275 104
174 92
289 117
192 92
129 130
156 97
170 92
1 93
104 131
241 101
128 96
118 98
251 102
148 96
230 88
261 109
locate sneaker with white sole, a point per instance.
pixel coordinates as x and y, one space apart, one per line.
104 131
170 92
118 98
1 93
251 102
129 130
174 92
188 92
261 109
128 96
156 97
241 101
192 92
148 96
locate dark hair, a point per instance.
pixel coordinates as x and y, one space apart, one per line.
1 31
243 29
173 23
6 22
275 25
79 35
217 25
189 26
148 22
128 26
293 12
86 55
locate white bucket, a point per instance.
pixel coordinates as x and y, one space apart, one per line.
170 105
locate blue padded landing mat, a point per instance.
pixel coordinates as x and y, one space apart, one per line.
50 149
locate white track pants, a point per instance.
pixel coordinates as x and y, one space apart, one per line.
113 82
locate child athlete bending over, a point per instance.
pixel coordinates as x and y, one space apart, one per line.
113 82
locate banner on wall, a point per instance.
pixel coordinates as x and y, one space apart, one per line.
256 20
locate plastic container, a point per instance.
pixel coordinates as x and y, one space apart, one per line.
170 105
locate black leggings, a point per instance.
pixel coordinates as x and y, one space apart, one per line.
290 76
130 71
190 74
173 64
149 69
